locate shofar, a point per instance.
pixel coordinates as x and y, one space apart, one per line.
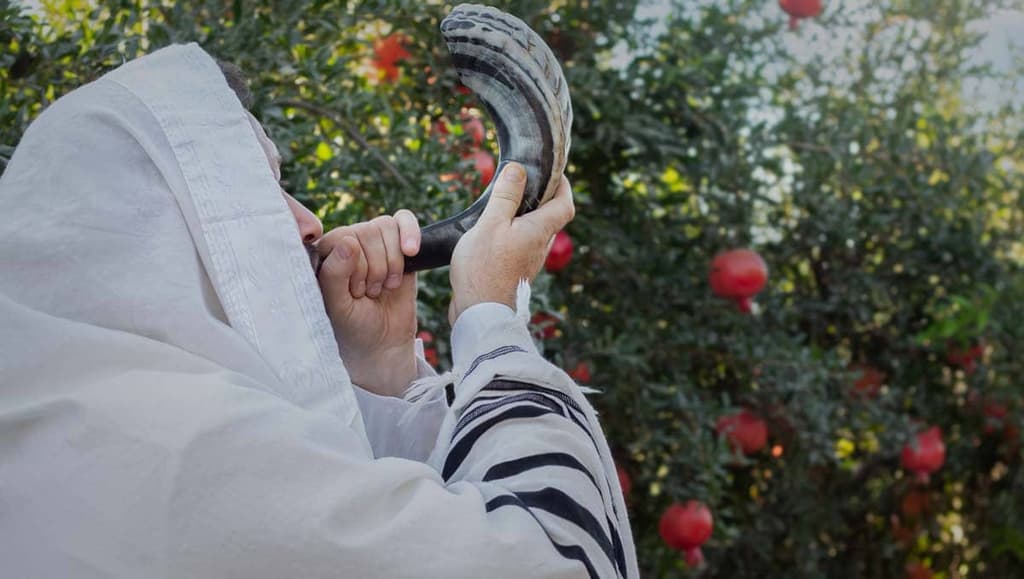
521 85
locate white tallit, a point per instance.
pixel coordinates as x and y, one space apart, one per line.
171 399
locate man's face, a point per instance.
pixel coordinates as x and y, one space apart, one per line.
310 228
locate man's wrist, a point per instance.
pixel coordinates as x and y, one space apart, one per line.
385 372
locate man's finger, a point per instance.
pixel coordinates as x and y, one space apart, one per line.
389 234
506 196
555 213
408 231
337 270
372 242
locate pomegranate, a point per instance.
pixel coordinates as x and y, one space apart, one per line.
425 336
914 503
484 164
925 454
739 275
870 381
995 417
544 325
560 254
473 127
685 528
581 373
918 571
744 430
430 355
798 9
624 481
966 359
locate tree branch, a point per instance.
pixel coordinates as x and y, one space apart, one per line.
353 134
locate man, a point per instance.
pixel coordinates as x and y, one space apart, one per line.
172 399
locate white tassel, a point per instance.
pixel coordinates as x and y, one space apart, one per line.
523 301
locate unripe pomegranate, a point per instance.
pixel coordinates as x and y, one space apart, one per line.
925 454
560 254
798 9
744 430
686 528
739 275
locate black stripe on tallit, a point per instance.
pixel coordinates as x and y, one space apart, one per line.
561 505
495 353
479 410
505 385
460 450
574 552
516 466
511 387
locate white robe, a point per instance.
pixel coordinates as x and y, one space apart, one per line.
172 403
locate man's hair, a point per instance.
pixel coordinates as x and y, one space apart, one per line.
237 82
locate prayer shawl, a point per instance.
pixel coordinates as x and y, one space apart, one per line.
172 403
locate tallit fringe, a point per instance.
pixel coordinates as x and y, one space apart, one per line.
523 301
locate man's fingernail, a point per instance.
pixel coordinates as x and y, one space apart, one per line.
410 243
514 173
374 290
394 280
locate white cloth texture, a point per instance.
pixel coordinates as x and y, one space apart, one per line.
172 402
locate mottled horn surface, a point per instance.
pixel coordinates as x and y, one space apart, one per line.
519 81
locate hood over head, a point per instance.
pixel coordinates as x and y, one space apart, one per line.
141 208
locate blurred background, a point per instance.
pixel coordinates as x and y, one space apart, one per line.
842 397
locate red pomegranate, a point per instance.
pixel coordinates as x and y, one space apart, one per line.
995 417
545 325
624 481
685 528
581 373
925 454
430 355
798 9
965 358
869 381
918 571
744 430
484 164
560 254
473 127
425 336
914 503
739 275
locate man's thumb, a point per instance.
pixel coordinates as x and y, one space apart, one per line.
506 195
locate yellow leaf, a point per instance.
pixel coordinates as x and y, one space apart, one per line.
323 152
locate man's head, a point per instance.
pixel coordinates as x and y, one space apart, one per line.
310 228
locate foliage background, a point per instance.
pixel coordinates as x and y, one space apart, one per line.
887 206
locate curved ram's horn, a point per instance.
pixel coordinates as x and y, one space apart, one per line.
521 84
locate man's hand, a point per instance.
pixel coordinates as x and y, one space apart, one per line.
371 301
501 248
